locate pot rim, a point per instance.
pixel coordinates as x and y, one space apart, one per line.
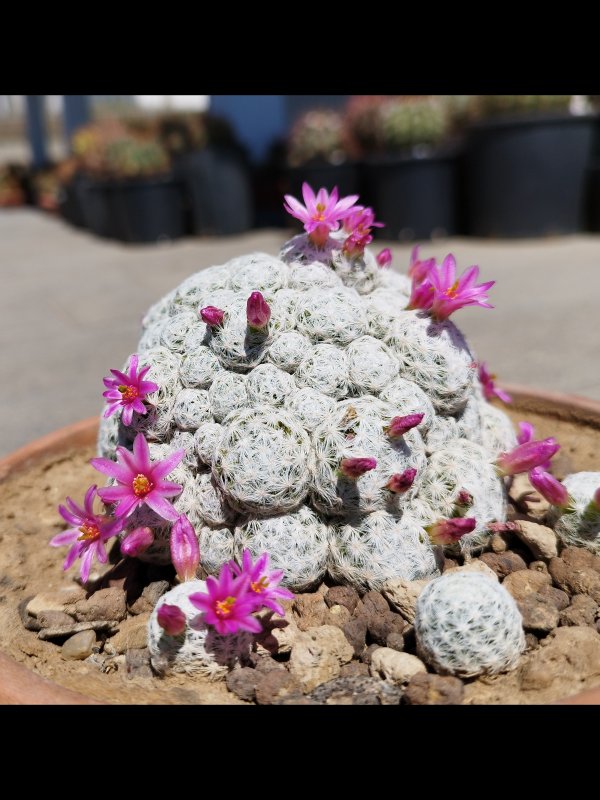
21 686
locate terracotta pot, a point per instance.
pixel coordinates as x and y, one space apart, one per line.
560 415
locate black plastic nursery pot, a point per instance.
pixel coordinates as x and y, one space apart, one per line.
345 176
527 176
416 197
70 207
593 197
149 209
218 191
98 208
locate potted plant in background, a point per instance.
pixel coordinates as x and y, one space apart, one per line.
213 168
12 192
525 167
410 166
320 151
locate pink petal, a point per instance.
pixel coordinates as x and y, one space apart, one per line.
101 553
110 468
127 505
309 198
86 564
72 555
133 364
141 452
167 465
66 537
161 506
71 518
128 417
124 379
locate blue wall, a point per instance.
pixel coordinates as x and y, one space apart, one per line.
257 118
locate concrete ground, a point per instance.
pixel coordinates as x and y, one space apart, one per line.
71 305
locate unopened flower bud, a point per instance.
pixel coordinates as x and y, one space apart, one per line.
355 467
137 542
171 619
185 551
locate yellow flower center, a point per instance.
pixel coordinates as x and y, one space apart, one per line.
142 485
319 216
452 291
89 532
225 607
261 585
129 393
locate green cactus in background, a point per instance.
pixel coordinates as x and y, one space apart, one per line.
318 135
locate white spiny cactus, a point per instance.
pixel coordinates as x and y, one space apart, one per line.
579 524
468 624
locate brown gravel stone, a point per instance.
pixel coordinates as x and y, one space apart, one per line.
132 635
539 539
539 613
357 691
338 616
498 543
503 563
309 610
449 563
575 579
560 599
374 603
571 654
342 596
425 689
275 685
538 566
54 619
582 611
368 653
103 604
354 669
395 641
79 646
149 597
54 601
525 582
355 632
579 557
242 682
531 641
137 663
380 625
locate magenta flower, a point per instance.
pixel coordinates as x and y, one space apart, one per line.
401 425
447 531
526 456
87 536
140 480
258 312
418 270
401 482
355 467
489 388
451 293
384 258
137 541
263 583
213 316
128 390
421 295
171 619
526 434
596 498
228 604
550 489
359 223
321 213
185 550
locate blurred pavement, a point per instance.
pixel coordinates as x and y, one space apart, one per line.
71 305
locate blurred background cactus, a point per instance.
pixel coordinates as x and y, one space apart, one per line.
318 135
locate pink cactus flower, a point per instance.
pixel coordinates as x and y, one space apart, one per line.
526 456
140 481
228 603
551 490
213 316
137 541
401 482
526 434
464 498
596 498
401 425
264 584
321 213
359 223
451 293
418 270
421 295
489 387
185 550
384 258
353 468
447 531
88 535
127 390
258 312
171 619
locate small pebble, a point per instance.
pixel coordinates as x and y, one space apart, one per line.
242 682
79 646
425 689
275 685
342 596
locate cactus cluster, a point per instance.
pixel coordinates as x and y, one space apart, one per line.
269 413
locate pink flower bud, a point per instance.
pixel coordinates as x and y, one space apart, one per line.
258 312
421 296
185 552
401 482
171 619
355 467
400 425
447 531
550 489
137 541
596 497
384 258
464 498
526 456
213 316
